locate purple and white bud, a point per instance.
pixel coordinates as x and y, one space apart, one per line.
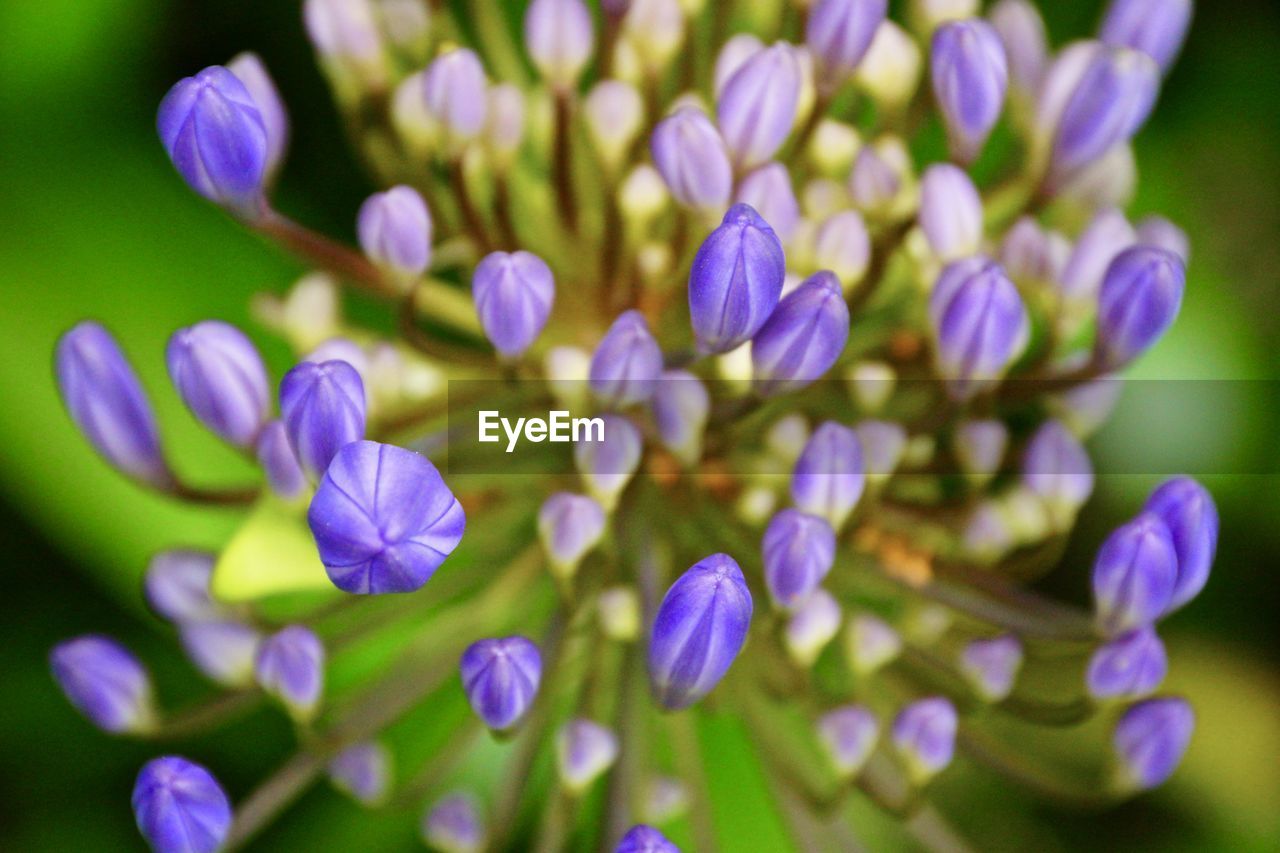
513 293
970 80
842 245
1140 298
614 114
106 400
875 182
180 807
654 30
1156 27
363 772
345 34
991 666
884 445
279 462
811 627
950 212
1160 233
979 323
645 839
1109 181
1188 510
681 407
1134 575
870 644
848 735
757 107
799 551
454 89
736 281
1032 255
176 586
1150 740
829 477
979 446
221 379
700 627
1131 666
1056 468
223 650
570 526
454 825
383 519
501 678
871 385
607 465
560 38
323 409
803 338
585 751
768 189
1026 44
691 157
627 364
839 33
106 683
1106 236
250 70
290 667
891 69
395 232
924 734
737 50
1086 408
215 136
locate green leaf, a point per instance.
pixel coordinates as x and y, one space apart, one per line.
272 553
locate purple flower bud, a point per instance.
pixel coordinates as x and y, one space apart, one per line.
454 825
345 34
681 407
290 667
363 772
813 625
176 585
501 679
323 408
883 445
250 70
1107 235
841 244
1129 667
1162 234
979 322
1156 27
950 212
513 293
395 232
768 190
848 735
504 124
570 526
609 464
105 399
970 79
1134 575
1057 469
979 448
924 733
1141 296
839 33
279 462
559 37
1150 740
1031 254
757 107
871 644
221 379
215 136
690 155
383 519
829 477
799 551
991 666
735 281
645 839
223 650
1025 42
454 88
584 751
626 365
105 682
614 114
700 628
1188 509
874 182
802 338
180 807
737 49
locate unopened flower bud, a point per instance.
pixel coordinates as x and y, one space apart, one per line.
608 465
1188 510
290 667
829 477
250 71
1026 46
279 462
1057 469
799 551
870 644
991 666
176 585
655 30
504 124
223 650
736 51
395 232
950 212
884 446
363 772
924 734
871 384
454 825
1160 233
843 246
768 190
1031 255
567 370
970 80
927 15
839 33
757 108
832 148
848 735
1155 27
812 625
691 156
513 293
735 281
1131 666
645 839
891 69
323 409
585 750
180 807
345 34
1134 575
681 407
979 447
619 613
106 683
570 526
1150 740
803 337
979 323
1140 298
559 37
1107 235
501 678
878 183
614 113
454 88
221 379
627 364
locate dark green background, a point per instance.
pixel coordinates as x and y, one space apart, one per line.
94 223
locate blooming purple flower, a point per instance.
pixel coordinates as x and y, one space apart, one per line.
813 624
383 519
680 408
513 293
1150 740
290 666
585 750
221 379
1156 27
177 585
223 650
105 682
829 477
700 628
454 824
950 212
1134 575
180 807
803 337
736 280
626 365
970 80
1141 296
323 408
979 323
363 772
757 107
799 551
558 35
570 526
1025 43
215 136
1131 666
991 666
924 734
1056 468
1188 510
501 679
608 465
279 462
691 157
454 89
848 735
768 190
395 232
105 399
839 33
645 839
250 70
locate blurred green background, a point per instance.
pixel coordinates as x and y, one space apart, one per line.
94 223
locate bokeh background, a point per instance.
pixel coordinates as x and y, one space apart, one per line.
94 223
